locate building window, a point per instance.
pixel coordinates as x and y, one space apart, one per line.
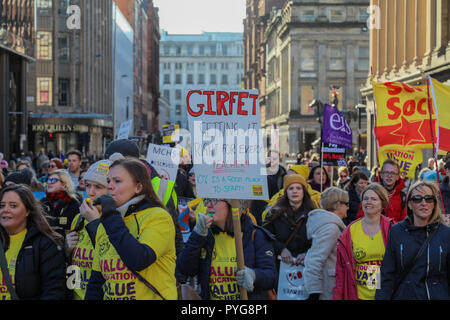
307 97
224 79
190 50
336 58
178 79
166 94
213 66
363 57
308 16
44 6
178 94
178 110
201 78
213 79
224 50
308 58
178 66
62 7
64 48
189 66
224 65
363 14
63 92
44 45
202 66
44 92
190 79
201 50
213 50
166 50
178 51
167 79
337 15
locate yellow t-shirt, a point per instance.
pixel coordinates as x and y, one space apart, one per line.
11 254
82 257
222 278
156 229
368 253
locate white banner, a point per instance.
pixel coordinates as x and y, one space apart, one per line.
125 130
165 160
227 144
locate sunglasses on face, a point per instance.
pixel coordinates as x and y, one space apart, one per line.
53 180
343 176
418 199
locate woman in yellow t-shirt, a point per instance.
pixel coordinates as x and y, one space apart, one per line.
34 253
80 242
135 239
361 247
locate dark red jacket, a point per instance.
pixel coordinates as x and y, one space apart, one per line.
394 209
345 288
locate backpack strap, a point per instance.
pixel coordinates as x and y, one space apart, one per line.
6 275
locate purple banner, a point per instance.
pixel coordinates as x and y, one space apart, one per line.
335 128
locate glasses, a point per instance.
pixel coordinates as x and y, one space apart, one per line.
343 176
53 180
52 166
389 173
418 199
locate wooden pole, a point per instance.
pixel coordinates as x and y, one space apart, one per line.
236 208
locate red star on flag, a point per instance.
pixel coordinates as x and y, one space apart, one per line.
409 131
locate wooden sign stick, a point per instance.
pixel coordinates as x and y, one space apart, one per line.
236 208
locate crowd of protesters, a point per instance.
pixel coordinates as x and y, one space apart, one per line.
102 227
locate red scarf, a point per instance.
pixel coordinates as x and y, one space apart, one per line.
58 199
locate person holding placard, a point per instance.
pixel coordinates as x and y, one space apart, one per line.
361 248
287 220
210 254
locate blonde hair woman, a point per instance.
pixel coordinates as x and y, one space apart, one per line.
361 247
61 202
324 227
415 266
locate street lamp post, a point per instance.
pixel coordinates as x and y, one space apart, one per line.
359 107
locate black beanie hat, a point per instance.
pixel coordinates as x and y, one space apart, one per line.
125 147
19 178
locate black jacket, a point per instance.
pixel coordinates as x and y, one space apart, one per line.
60 219
429 277
354 203
445 190
40 268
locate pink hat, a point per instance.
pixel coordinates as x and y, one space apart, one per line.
3 164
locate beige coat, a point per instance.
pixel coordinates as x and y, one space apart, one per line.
324 228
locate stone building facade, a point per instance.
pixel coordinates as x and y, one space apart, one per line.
312 46
409 40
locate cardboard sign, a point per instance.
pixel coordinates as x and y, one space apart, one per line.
227 144
125 130
333 155
165 160
171 133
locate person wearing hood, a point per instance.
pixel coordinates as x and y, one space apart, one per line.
416 265
390 179
324 227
